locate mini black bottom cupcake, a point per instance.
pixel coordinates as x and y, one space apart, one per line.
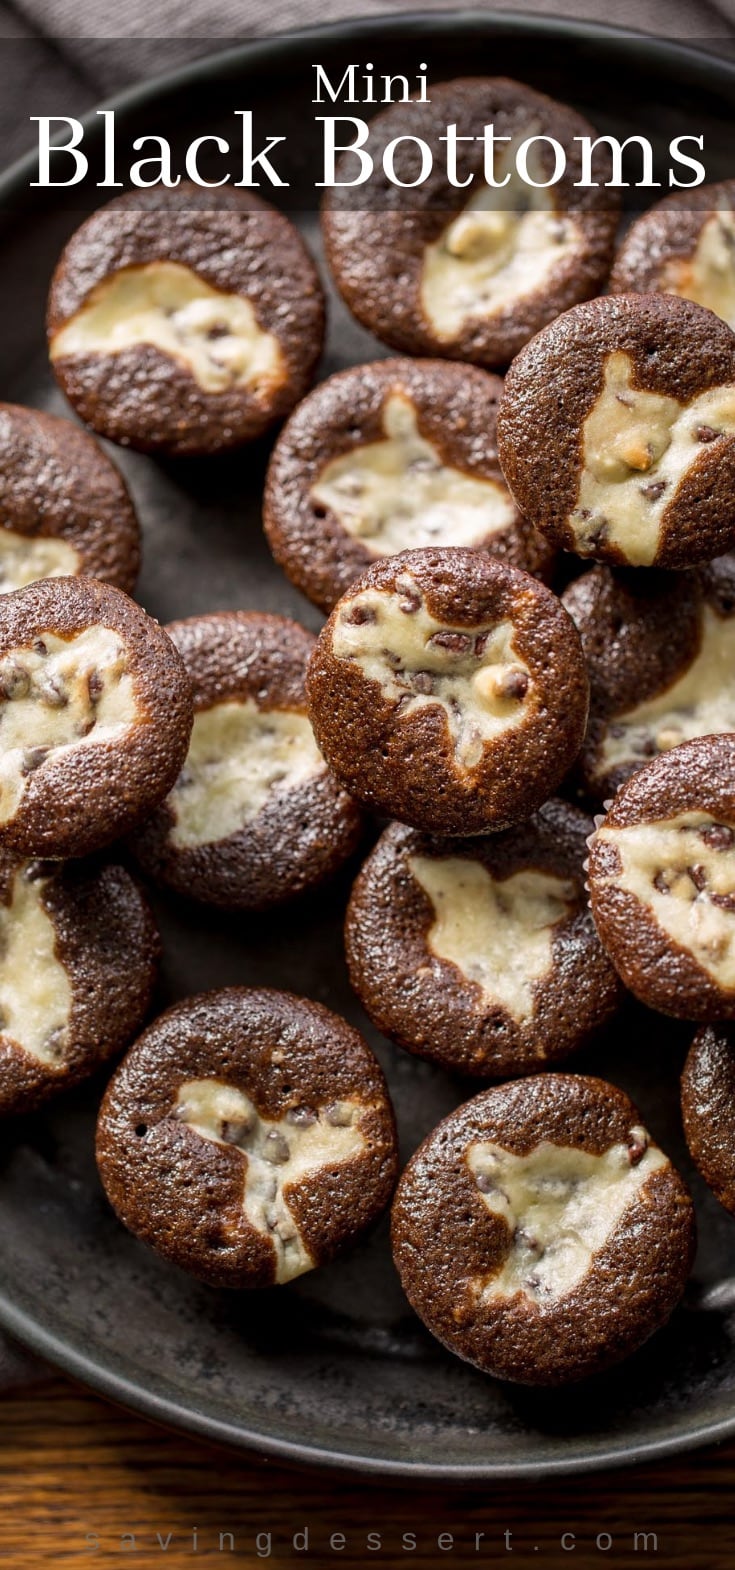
460 267
540 1233
78 960
255 816
639 472
482 954
184 320
389 457
708 1108
248 1136
65 509
95 717
662 881
660 651
684 245
449 691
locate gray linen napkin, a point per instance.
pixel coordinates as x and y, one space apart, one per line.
149 38
79 50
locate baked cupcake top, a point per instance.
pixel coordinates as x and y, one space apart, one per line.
248 1136
660 652
468 269
481 954
185 320
65 509
448 690
387 457
616 431
662 880
684 245
78 960
95 716
255 815
540 1232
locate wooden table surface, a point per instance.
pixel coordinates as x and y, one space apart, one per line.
83 1483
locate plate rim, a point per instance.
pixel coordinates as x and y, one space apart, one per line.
702 66
170 1414
708 66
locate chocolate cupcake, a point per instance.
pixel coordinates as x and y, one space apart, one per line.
248 1136
185 320
684 245
458 267
65 509
662 881
78 959
616 431
660 652
388 457
482 955
95 716
448 690
255 815
540 1233
708 1108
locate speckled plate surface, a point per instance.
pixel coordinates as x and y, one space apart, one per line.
334 1370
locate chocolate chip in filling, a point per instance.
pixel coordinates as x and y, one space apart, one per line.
498 932
216 336
472 673
561 1205
56 695
682 869
238 756
35 992
637 447
398 493
278 1154
505 245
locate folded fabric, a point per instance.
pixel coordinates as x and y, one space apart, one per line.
113 46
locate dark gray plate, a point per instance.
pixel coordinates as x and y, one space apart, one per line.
334 1370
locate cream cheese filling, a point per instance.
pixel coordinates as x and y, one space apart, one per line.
58 695
561 1205
637 447
26 558
701 702
473 674
506 244
682 870
278 1155
215 336
498 932
397 494
708 275
238 756
35 991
